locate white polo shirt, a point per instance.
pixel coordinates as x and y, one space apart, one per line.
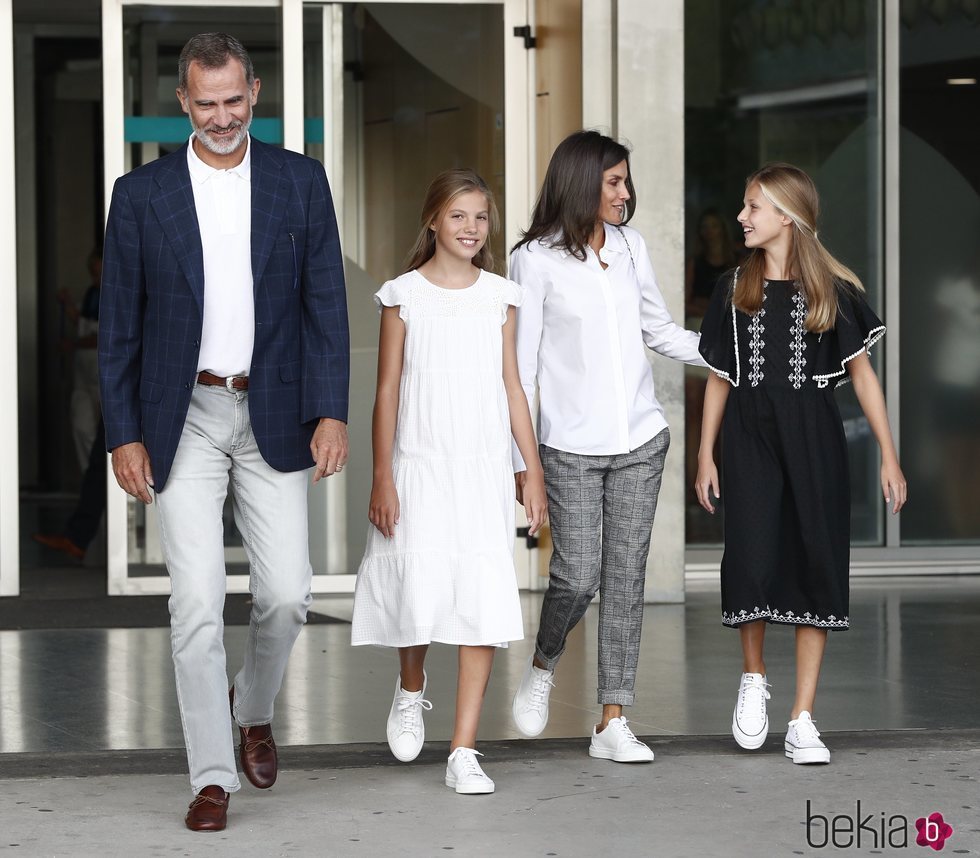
580 337
223 199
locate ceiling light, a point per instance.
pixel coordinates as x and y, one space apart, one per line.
961 81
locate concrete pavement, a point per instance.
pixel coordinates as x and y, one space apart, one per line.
701 797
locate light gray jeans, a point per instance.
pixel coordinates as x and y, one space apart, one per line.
601 510
217 450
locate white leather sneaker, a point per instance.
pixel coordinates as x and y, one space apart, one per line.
750 721
618 743
406 730
530 707
463 773
803 743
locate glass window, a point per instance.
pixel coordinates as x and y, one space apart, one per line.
774 81
940 271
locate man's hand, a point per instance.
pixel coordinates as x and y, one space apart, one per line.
131 465
329 447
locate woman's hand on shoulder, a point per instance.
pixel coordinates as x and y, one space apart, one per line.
535 500
707 484
384 509
893 486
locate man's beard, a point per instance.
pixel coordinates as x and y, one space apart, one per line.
224 146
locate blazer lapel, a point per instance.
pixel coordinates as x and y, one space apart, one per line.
177 214
270 193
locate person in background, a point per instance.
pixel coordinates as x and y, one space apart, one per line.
714 255
88 430
84 407
83 523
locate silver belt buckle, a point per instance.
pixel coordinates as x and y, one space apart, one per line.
230 383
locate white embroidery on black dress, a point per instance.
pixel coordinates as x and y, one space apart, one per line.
738 365
798 346
756 343
871 339
774 615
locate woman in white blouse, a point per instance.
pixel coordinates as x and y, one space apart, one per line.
591 302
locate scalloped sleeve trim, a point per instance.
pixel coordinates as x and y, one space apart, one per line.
713 331
823 379
738 364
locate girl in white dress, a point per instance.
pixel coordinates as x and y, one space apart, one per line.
439 562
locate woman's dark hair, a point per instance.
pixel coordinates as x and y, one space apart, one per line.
567 208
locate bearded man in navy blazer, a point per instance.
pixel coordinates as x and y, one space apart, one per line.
225 362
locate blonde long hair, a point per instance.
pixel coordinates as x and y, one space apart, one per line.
819 274
444 189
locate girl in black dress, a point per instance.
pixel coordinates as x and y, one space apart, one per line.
781 332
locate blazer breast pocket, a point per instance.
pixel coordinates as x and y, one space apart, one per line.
290 246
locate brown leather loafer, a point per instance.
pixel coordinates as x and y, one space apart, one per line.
208 811
257 752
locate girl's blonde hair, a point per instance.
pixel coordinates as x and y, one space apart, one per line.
444 189
793 193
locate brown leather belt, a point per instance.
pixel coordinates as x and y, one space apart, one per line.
232 382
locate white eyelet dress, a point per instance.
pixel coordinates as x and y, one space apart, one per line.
448 573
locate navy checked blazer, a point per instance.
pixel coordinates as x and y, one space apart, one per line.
151 311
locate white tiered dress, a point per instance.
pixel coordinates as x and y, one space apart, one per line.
448 574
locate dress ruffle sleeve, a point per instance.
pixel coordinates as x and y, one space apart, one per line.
857 329
511 294
719 335
394 293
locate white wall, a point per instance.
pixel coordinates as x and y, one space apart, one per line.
648 102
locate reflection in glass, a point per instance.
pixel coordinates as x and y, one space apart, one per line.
768 81
940 273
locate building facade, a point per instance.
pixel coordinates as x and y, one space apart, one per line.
875 98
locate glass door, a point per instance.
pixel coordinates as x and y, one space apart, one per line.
385 95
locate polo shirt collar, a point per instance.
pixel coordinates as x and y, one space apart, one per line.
201 172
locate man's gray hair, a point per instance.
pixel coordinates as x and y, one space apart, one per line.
213 51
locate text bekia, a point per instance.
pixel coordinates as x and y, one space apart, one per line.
874 830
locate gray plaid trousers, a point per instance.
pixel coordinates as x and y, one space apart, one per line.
601 510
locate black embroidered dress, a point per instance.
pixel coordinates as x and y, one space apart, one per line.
784 478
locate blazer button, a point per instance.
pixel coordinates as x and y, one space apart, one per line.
187 387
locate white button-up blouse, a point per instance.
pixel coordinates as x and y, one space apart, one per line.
580 337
